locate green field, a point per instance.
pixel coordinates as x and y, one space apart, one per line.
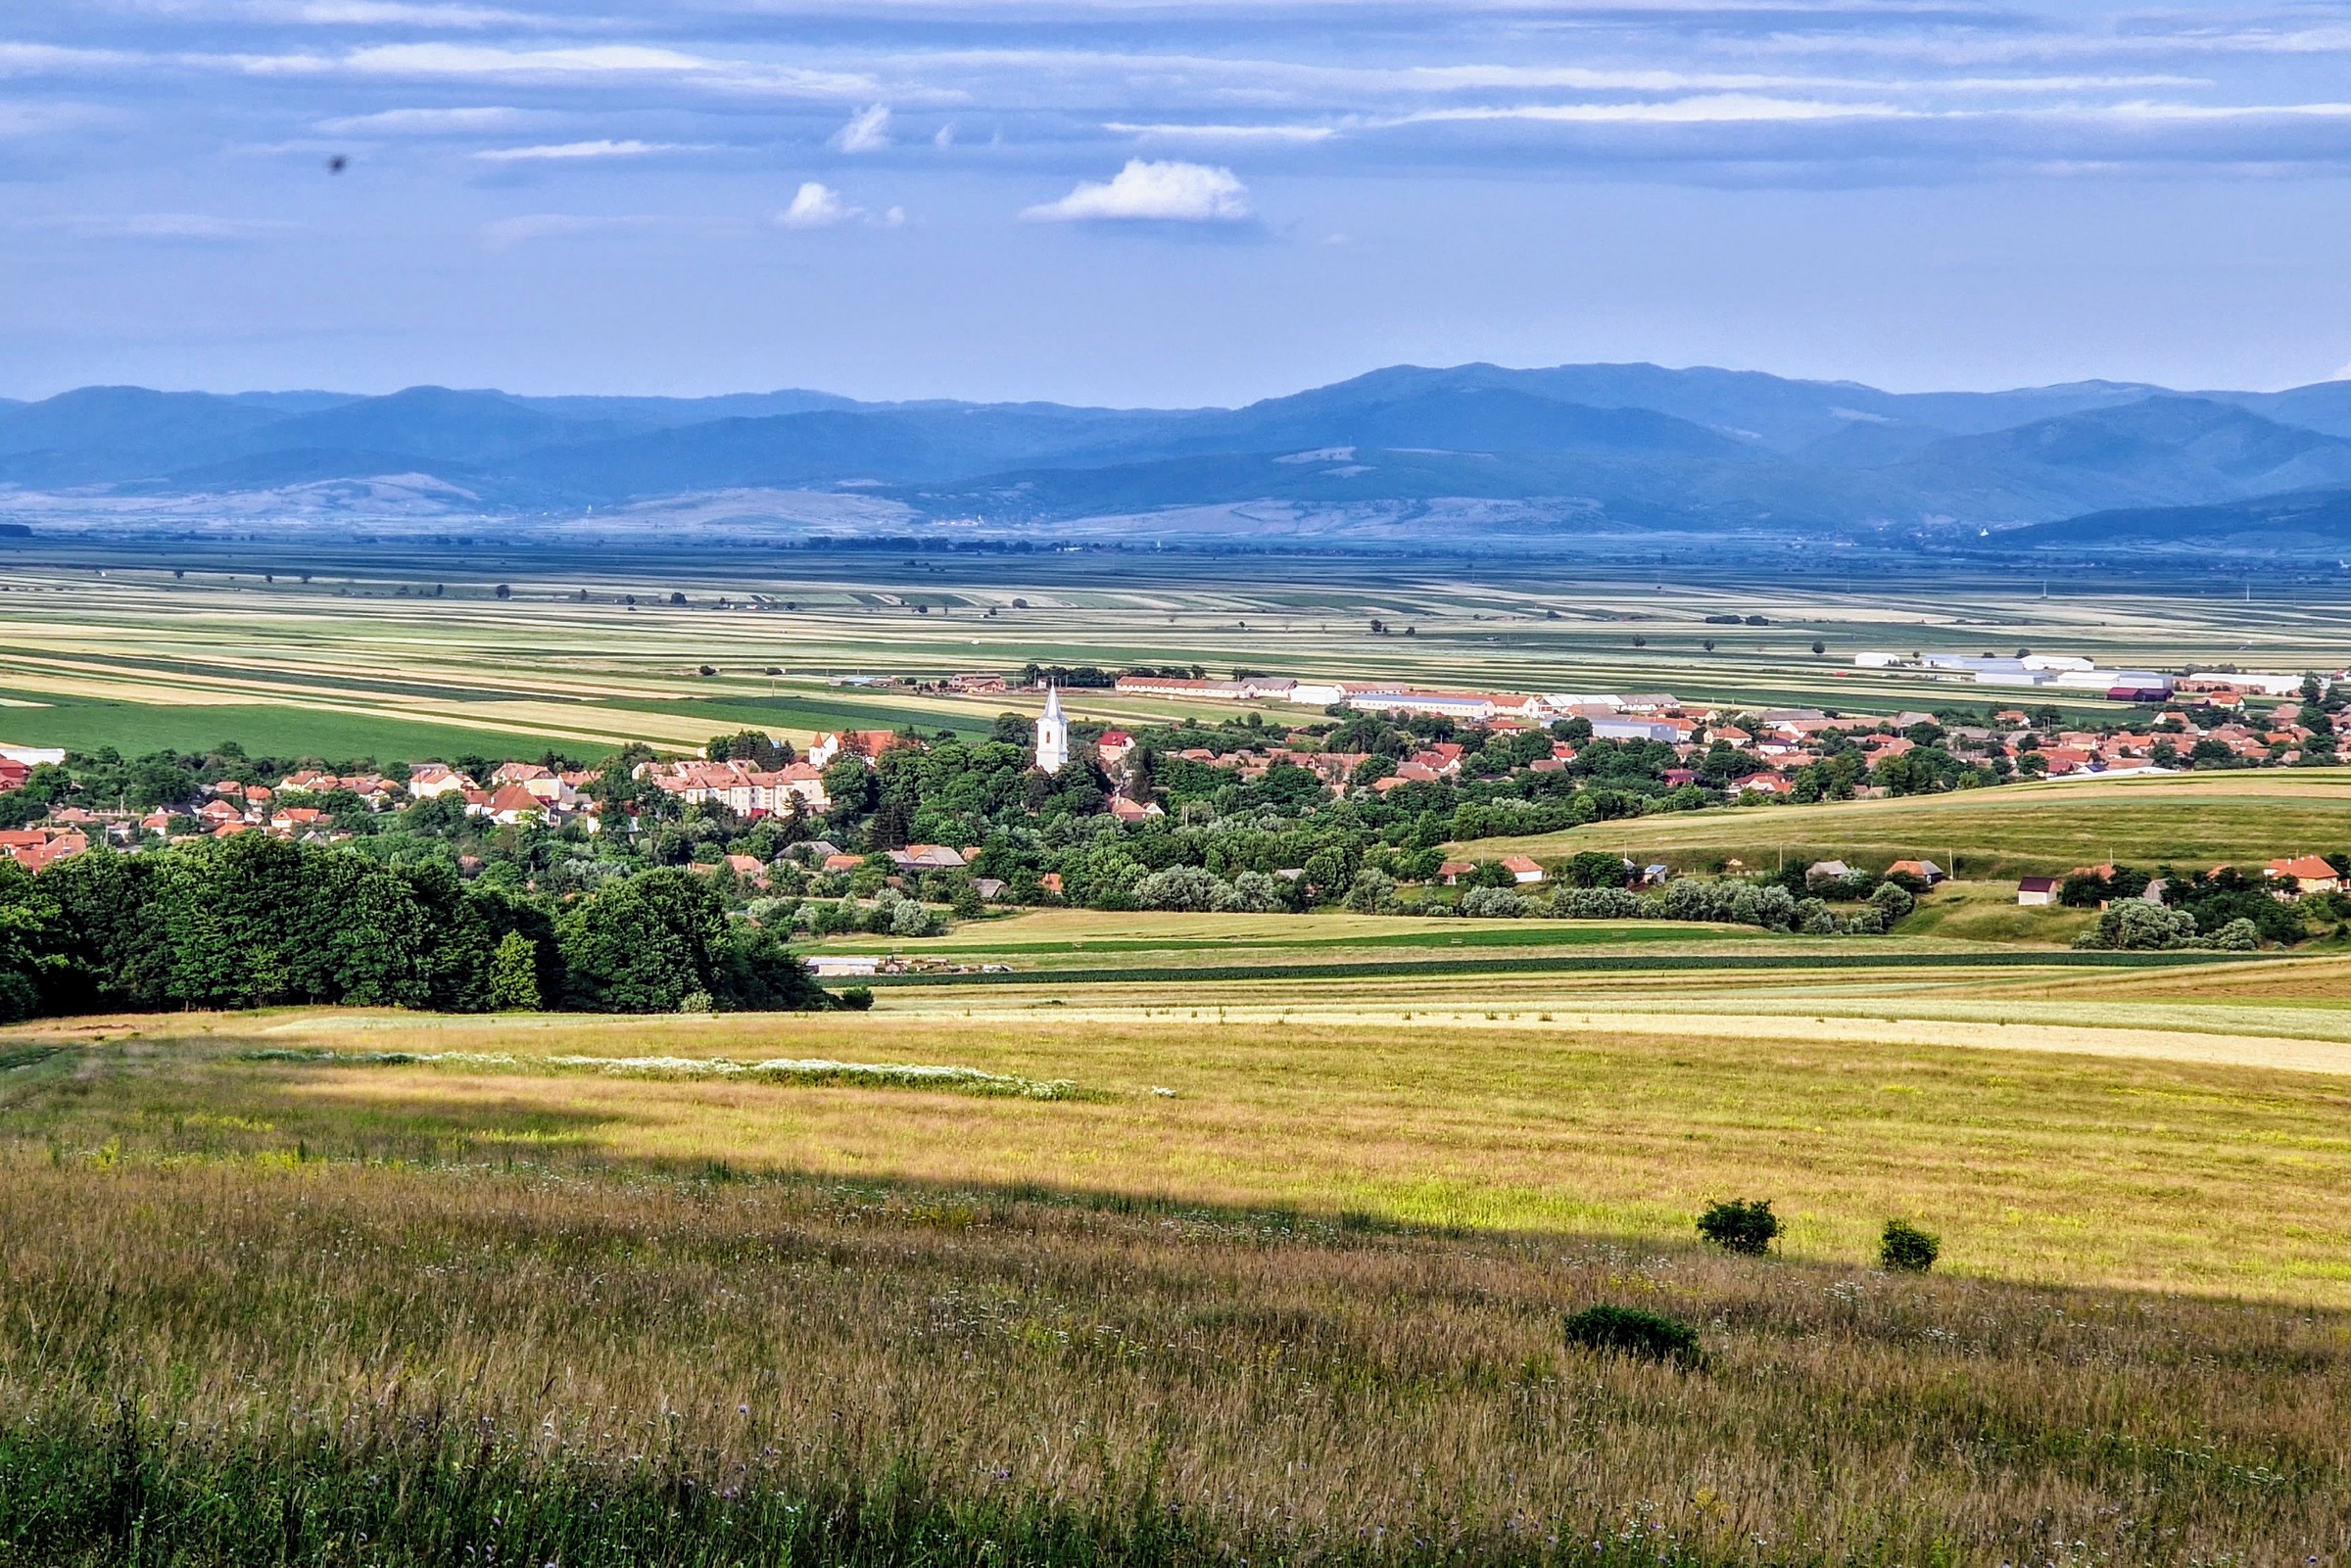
133 729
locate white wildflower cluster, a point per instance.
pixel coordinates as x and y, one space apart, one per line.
873 1075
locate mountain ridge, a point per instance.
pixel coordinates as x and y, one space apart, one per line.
1636 446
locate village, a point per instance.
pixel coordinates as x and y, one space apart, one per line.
1478 764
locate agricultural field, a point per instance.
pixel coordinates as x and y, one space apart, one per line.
1186 1279
368 641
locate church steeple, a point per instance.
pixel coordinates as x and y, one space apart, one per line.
1052 733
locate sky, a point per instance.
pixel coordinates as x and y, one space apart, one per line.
1164 202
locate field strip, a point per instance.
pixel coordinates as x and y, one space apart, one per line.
1788 965
2156 1044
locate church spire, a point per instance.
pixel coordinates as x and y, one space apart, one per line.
1052 733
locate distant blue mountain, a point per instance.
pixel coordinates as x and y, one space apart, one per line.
1638 446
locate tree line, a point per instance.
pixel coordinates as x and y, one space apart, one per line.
253 921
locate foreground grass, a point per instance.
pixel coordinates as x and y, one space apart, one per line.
225 1361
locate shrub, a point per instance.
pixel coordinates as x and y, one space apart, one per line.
1628 1331
2135 925
857 998
1905 1249
1493 903
1746 1226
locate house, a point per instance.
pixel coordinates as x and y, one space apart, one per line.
750 868
1050 882
429 779
990 888
215 813
836 966
512 803
1926 870
866 743
837 864
1521 869
977 684
1126 810
2037 890
2314 873
1113 747
1453 871
1826 871
926 857
1760 784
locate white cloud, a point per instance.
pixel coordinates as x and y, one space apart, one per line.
819 205
945 136
1223 133
396 12
816 206
1168 192
421 123
585 63
867 131
44 59
560 151
1711 109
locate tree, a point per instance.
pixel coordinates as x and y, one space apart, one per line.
515 974
643 944
29 929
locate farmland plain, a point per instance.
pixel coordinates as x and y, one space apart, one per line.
588 651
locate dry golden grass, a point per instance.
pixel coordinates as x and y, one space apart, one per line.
2077 1153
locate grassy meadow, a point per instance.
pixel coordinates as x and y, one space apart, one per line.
1304 1307
2192 821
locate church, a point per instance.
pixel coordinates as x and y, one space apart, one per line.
1052 735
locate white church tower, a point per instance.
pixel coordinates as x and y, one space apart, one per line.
1052 735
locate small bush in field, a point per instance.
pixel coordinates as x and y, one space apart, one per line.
1746 1226
1905 1249
1628 1331
857 998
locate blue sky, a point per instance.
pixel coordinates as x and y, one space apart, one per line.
1163 203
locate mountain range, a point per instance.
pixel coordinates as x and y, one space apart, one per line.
1461 455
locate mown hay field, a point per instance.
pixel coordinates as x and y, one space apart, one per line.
2133 1151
